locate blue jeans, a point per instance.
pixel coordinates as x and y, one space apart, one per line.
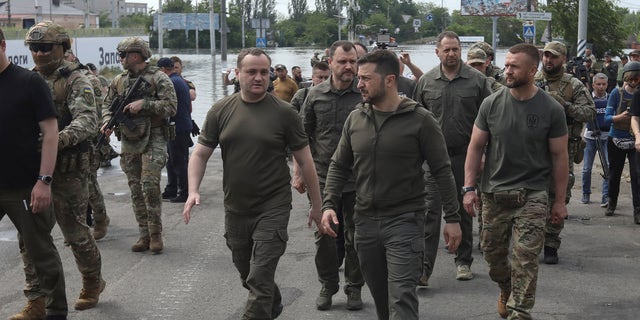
589 156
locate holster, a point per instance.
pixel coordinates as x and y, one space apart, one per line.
512 199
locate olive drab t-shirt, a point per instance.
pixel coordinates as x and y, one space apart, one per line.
253 138
518 153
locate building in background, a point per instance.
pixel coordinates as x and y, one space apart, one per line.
26 13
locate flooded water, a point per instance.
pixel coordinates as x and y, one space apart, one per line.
207 76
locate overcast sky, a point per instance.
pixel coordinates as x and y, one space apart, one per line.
282 5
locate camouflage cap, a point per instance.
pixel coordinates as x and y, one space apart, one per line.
476 55
48 32
488 50
555 48
135 44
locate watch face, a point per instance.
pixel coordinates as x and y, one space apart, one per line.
46 179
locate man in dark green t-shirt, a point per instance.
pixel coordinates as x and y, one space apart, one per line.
254 129
515 176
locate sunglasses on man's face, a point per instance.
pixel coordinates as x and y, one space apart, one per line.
42 47
122 54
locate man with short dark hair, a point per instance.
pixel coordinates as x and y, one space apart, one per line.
320 73
177 188
610 69
514 181
453 91
383 145
324 112
296 72
257 192
25 182
283 86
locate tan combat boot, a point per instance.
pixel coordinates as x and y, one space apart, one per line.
502 304
156 244
141 246
34 310
90 294
100 229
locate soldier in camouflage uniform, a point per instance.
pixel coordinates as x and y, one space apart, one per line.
492 71
96 208
580 109
514 178
75 102
144 150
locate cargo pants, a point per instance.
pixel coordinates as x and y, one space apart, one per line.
523 227
390 252
34 239
257 241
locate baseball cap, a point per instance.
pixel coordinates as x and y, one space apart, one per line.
635 53
165 63
556 48
608 53
476 55
280 66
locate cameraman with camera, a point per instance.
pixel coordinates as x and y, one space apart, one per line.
579 108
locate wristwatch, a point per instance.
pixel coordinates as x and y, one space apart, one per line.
467 189
46 179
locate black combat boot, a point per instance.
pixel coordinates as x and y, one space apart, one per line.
611 208
550 255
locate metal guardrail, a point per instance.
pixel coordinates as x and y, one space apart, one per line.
18 34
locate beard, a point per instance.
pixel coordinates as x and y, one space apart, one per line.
516 83
553 70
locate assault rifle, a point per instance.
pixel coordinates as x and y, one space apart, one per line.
596 133
118 115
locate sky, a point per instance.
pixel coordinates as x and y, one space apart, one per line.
282 5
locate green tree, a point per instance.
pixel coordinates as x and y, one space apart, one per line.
600 13
297 9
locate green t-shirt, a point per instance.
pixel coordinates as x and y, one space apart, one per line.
517 154
253 138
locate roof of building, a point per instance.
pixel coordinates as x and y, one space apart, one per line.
29 8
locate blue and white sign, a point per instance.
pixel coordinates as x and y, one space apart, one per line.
529 31
261 42
429 17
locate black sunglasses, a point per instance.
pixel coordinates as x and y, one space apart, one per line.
42 47
122 54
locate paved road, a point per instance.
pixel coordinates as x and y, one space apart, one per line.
598 276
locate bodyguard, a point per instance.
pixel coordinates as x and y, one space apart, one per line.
144 150
75 102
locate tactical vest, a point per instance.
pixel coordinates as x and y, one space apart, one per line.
65 77
79 156
623 105
123 81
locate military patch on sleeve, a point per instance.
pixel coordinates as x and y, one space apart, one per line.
89 98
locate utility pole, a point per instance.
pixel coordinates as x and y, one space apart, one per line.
212 34
583 5
160 28
223 31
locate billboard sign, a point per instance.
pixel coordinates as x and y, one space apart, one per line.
492 7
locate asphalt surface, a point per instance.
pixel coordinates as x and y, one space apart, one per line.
598 276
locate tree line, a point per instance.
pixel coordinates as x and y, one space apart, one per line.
610 27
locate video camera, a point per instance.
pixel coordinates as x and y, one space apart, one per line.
576 68
383 39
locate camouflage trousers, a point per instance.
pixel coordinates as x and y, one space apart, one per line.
96 200
523 228
257 242
552 230
143 172
34 238
70 194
